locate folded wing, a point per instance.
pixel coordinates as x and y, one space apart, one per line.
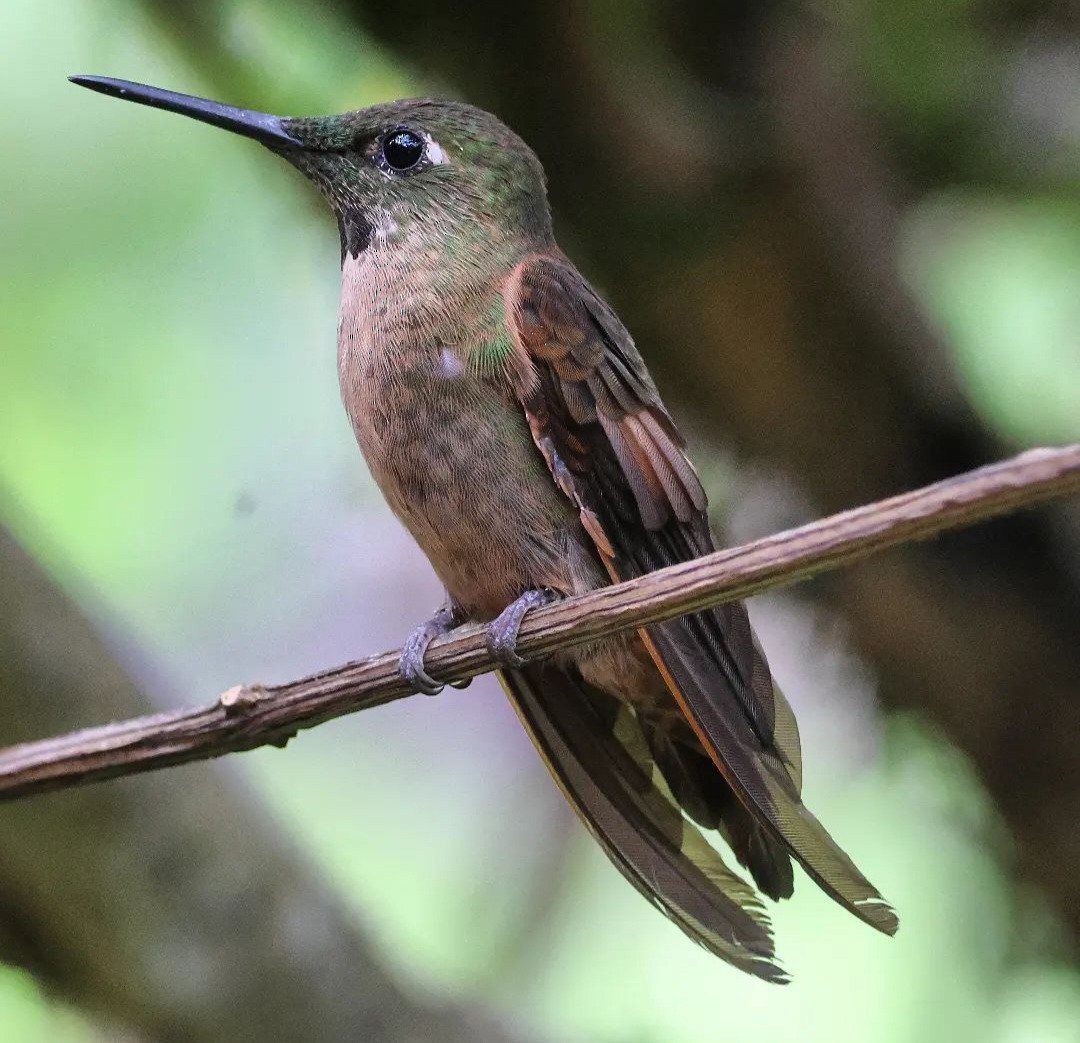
612 447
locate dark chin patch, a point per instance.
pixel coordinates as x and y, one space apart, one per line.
356 231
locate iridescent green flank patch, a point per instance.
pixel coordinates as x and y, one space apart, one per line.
491 353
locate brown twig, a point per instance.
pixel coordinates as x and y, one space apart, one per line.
253 715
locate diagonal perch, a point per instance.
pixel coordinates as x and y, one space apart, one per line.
248 716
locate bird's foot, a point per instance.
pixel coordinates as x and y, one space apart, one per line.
411 663
502 632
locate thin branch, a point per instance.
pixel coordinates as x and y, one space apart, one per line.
248 716
98 882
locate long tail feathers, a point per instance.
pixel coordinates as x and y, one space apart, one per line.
766 778
596 751
705 796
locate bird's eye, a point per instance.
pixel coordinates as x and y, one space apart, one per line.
402 150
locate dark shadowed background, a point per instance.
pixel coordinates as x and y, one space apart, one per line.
847 239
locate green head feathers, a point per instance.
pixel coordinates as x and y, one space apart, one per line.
442 163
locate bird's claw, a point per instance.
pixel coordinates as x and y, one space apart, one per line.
411 663
502 632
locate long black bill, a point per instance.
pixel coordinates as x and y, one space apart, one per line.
261 126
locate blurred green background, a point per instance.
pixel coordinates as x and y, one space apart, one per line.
173 450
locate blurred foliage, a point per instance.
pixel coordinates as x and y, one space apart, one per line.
171 443
1001 275
27 1014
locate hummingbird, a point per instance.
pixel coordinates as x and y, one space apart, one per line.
514 429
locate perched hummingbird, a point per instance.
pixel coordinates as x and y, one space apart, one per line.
516 432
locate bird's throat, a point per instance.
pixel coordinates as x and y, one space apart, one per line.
356 230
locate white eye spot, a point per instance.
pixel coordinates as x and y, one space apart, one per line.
436 154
